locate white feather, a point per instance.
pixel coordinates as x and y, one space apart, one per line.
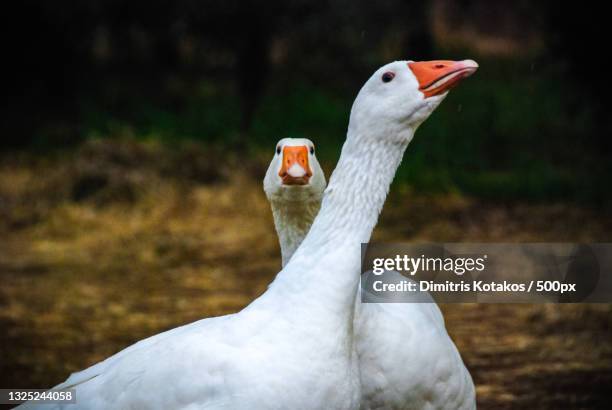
293 347
406 357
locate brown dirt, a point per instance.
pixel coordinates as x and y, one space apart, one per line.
105 246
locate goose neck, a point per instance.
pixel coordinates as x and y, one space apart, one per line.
357 191
292 220
329 257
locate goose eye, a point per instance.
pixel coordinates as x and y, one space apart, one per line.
278 150
388 76
311 150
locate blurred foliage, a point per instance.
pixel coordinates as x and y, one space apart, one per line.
531 124
506 133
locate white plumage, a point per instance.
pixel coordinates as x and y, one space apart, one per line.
406 357
293 347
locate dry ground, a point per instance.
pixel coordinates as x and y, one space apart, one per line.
118 241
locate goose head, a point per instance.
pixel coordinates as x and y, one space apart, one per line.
400 95
294 173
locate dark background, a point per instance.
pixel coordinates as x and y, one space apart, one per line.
532 124
135 136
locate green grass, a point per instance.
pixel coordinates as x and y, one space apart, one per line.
513 131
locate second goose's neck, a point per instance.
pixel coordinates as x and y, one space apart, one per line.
292 220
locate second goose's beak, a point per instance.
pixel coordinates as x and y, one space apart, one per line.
295 169
438 76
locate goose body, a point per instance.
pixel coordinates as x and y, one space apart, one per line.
406 358
414 364
293 346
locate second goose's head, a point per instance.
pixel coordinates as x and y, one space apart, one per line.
294 173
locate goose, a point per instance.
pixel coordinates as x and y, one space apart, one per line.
293 346
294 185
406 358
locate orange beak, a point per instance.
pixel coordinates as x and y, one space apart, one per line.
438 76
295 169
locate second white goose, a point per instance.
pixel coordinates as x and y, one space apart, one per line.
294 185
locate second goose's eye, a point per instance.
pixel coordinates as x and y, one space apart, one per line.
388 76
311 150
278 150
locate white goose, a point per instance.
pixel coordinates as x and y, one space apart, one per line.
407 359
294 185
293 346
